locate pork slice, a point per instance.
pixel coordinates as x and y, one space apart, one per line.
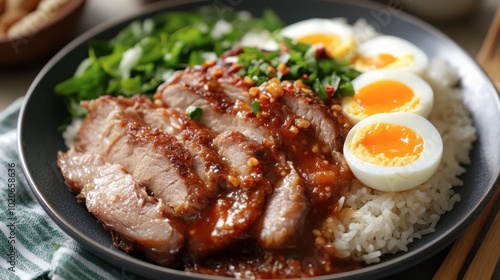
215 116
225 221
160 162
232 216
222 111
153 157
206 161
137 221
326 127
235 93
198 140
102 111
248 160
221 81
282 221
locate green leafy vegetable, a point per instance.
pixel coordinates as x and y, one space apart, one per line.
140 57
137 59
328 77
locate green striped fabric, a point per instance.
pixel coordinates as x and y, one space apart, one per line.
32 246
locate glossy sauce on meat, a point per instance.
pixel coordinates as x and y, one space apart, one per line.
321 173
254 186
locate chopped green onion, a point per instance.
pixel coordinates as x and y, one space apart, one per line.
316 70
320 89
194 112
255 106
345 90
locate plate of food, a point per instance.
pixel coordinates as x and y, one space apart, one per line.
325 139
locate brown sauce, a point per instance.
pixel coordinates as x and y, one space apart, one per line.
324 183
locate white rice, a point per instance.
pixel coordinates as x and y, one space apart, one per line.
69 134
372 223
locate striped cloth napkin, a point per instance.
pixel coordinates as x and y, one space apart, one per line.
32 246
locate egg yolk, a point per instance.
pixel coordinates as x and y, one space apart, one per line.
388 144
329 41
383 96
379 61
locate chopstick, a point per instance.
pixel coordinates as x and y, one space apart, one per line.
491 40
452 264
486 258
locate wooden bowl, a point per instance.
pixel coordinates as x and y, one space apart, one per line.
44 39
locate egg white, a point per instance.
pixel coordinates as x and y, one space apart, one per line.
261 39
421 89
343 31
397 178
409 56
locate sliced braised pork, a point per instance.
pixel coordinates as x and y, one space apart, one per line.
137 221
232 216
153 157
325 126
282 222
216 115
206 162
241 175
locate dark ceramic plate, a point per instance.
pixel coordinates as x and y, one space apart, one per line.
39 139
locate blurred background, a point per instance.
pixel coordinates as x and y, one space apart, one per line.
464 21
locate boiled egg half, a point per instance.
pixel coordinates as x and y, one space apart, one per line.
335 36
390 52
393 151
388 91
